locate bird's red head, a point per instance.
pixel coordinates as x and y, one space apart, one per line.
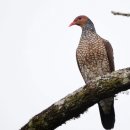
80 21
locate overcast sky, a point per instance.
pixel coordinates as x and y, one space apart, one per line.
37 57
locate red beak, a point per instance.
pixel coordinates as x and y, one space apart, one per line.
73 23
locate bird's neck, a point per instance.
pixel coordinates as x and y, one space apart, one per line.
87 29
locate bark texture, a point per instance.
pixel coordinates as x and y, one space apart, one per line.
80 100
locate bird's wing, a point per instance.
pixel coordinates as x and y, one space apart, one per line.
110 56
107 105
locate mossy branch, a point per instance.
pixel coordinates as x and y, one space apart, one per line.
77 102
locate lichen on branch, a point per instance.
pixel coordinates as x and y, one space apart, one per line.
80 100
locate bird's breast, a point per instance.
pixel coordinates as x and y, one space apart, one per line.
92 58
91 52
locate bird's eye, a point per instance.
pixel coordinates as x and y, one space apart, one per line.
79 18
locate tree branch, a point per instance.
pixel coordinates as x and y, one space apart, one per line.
119 13
80 100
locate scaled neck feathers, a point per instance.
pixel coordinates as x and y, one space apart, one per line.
87 28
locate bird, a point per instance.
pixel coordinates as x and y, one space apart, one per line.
95 58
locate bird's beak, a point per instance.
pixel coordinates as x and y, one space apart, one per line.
73 23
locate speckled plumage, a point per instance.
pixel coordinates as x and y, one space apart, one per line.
95 58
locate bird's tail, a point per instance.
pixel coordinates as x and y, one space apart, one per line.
107 118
